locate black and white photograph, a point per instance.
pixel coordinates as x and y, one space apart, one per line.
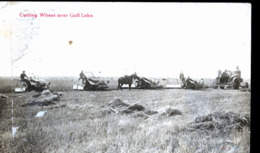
125 77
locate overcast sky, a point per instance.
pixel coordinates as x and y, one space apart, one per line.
152 39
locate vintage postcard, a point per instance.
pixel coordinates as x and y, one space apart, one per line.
121 77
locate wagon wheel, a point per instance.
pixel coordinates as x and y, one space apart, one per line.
236 84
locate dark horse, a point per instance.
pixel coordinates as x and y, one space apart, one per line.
126 80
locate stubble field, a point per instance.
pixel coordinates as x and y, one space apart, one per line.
102 121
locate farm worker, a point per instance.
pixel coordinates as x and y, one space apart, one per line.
237 68
82 76
22 76
238 72
182 77
201 82
219 73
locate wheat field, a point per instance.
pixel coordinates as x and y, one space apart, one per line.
83 121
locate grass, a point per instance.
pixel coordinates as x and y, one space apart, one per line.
78 123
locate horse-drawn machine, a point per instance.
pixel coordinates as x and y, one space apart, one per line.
133 81
192 84
145 83
32 84
186 83
91 83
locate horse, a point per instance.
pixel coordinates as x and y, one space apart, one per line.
126 80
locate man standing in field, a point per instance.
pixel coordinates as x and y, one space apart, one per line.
182 78
238 72
82 76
